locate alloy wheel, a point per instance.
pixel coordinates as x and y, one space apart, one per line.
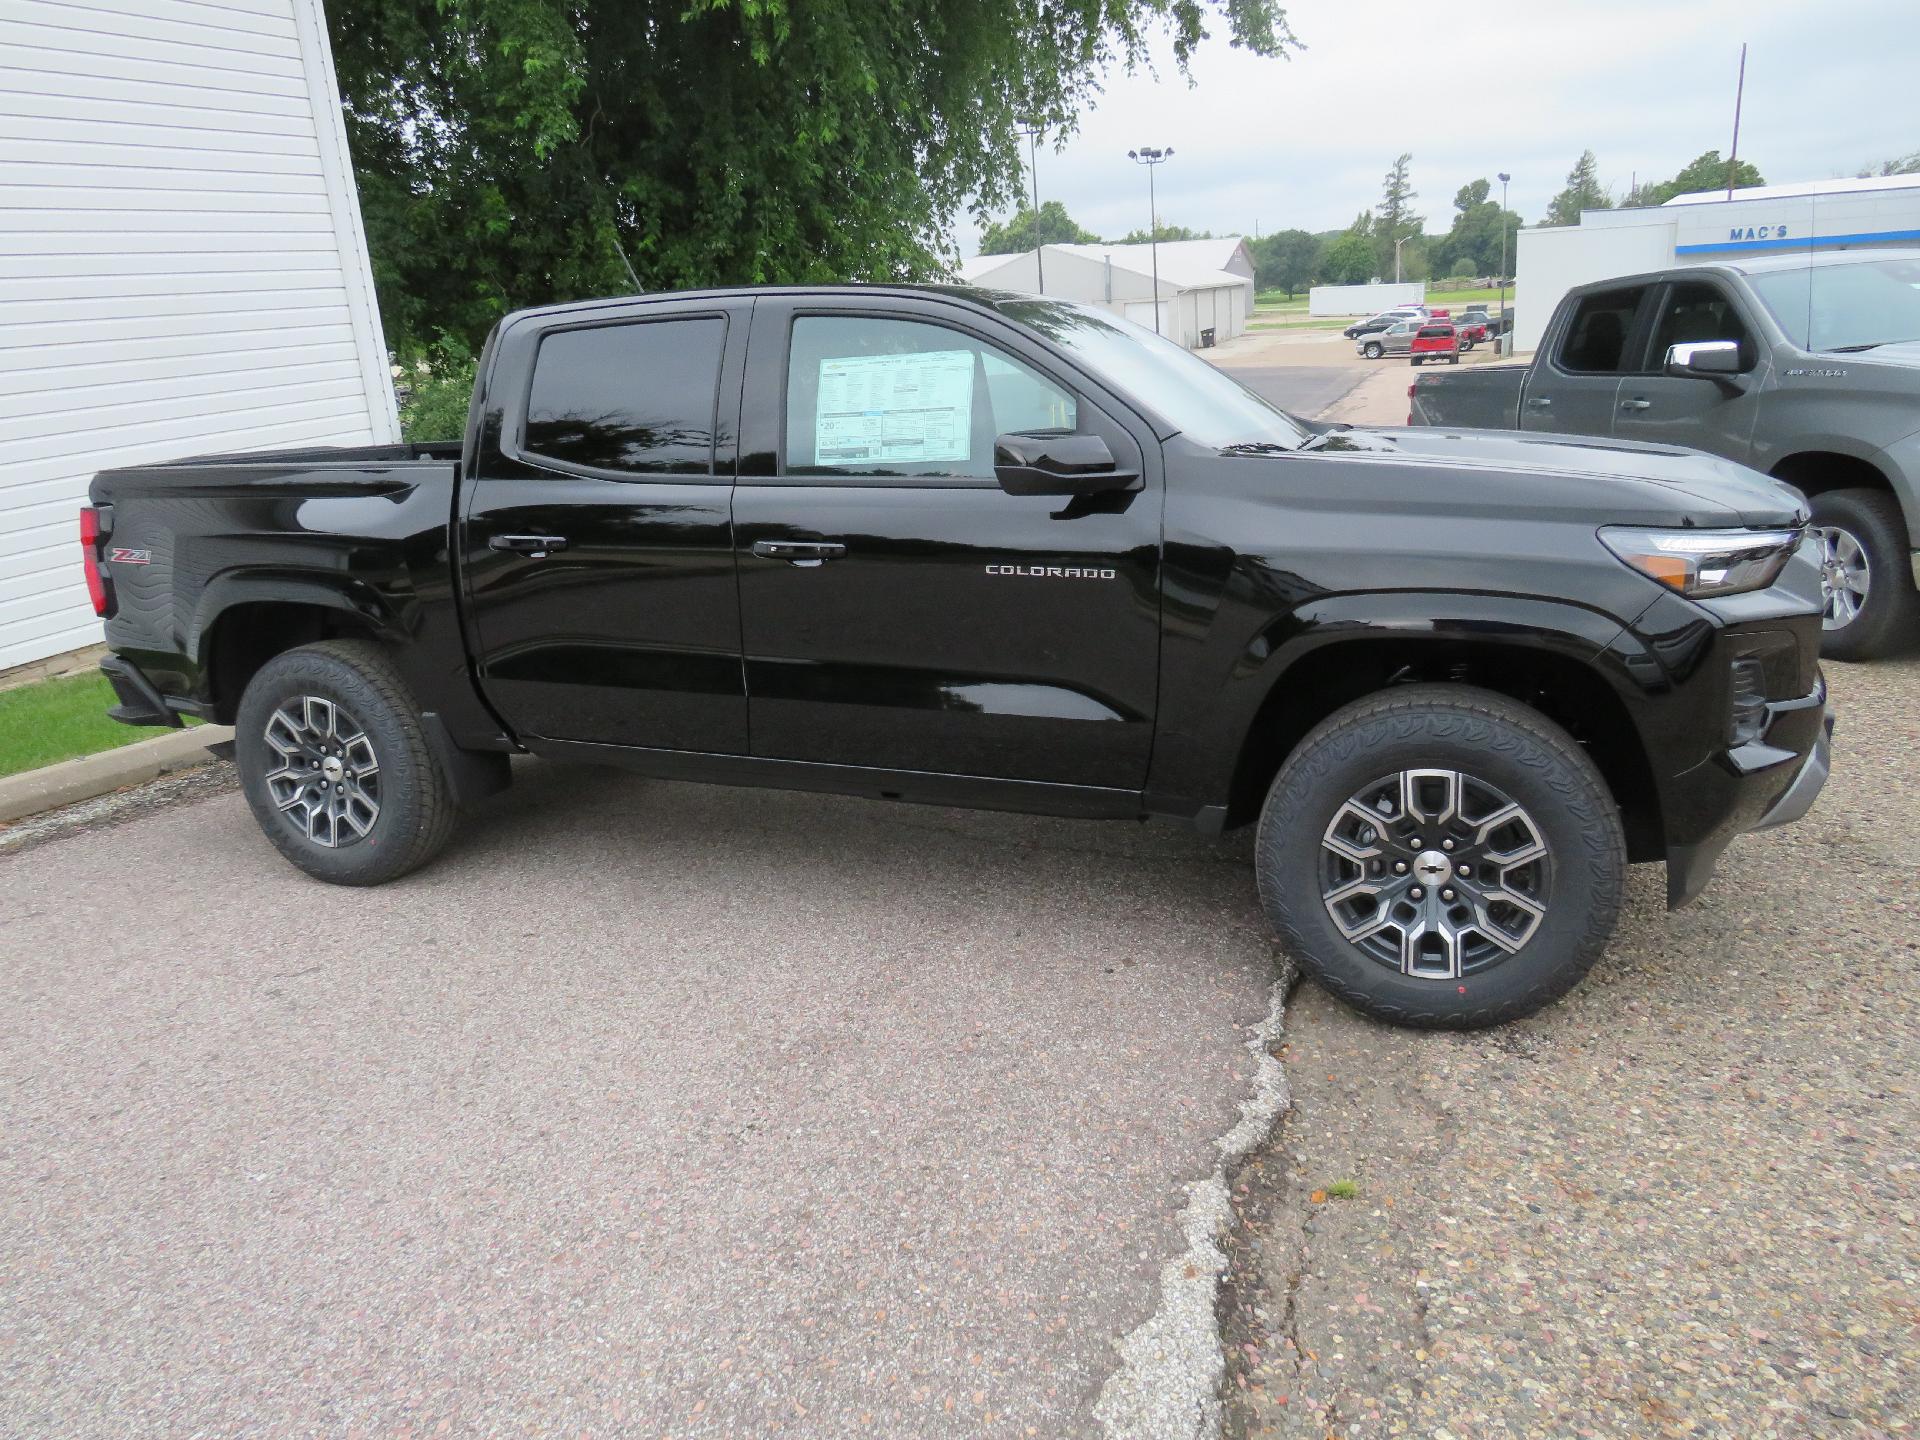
1845 574
1435 873
328 781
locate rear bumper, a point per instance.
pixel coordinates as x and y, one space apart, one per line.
140 702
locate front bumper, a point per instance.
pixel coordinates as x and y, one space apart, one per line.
1765 783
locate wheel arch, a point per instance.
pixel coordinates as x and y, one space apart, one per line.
1557 682
1814 472
243 621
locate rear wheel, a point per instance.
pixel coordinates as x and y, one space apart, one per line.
336 767
1441 856
1454 359
1866 577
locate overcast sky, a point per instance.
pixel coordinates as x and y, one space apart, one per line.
1516 85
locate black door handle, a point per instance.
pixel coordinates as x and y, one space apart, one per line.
534 547
799 552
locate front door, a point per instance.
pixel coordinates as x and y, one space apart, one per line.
1574 386
928 620
1682 410
597 537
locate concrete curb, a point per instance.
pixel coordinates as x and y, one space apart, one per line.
72 781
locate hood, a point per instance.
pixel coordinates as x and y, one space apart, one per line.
1621 480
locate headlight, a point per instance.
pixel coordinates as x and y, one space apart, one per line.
1704 562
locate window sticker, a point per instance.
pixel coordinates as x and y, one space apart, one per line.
894 409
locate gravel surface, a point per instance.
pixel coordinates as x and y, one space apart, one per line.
648 1109
1685 1201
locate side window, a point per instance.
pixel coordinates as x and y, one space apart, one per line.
635 398
1596 340
1696 311
870 396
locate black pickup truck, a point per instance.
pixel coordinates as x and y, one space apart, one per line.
981 549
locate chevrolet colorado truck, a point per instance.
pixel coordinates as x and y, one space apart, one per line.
1805 367
981 549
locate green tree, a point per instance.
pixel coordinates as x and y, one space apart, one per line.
1472 245
1028 231
1898 165
1706 172
512 152
1348 258
1583 192
1285 260
1163 231
1396 222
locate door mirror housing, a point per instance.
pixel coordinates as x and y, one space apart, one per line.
1716 360
1057 464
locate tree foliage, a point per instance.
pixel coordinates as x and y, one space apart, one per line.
1898 165
1706 172
1583 192
1472 245
1285 260
1163 232
1349 256
512 152
1028 231
1396 218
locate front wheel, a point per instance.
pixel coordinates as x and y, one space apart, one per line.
336 767
1870 607
1373 351
1441 856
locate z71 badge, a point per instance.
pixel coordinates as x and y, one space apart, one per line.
131 557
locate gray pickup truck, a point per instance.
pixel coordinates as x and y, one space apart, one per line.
1804 367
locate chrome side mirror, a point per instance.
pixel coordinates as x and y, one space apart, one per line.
1715 360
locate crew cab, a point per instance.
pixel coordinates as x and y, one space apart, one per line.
1805 367
971 548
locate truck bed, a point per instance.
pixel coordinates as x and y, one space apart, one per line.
1484 397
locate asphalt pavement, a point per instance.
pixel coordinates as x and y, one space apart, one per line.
1301 389
649 1109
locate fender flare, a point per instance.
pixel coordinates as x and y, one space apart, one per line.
343 593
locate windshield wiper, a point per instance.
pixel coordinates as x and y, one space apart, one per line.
1257 447
1850 349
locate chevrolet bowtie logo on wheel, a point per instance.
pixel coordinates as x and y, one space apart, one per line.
1054 572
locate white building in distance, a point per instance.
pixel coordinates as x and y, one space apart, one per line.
182 268
1689 229
1206 286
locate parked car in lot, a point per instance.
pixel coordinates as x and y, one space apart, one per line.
969 548
1435 340
1396 339
1807 368
1472 329
1386 319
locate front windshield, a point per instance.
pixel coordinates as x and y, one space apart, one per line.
1856 305
1202 402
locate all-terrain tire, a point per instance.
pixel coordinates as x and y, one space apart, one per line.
1889 619
415 803
1498 742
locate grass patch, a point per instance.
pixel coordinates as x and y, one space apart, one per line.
53 720
1342 1190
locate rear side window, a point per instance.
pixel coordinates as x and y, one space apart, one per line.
631 399
1596 340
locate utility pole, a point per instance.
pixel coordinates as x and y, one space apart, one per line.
1396 257
1150 157
1505 338
1039 242
1739 94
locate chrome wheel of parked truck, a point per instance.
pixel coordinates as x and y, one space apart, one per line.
962 548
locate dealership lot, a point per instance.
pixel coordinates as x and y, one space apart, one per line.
704 1111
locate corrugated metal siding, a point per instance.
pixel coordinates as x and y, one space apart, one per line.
181 266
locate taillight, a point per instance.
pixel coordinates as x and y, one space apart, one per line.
90 543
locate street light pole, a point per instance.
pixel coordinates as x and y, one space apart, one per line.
1507 330
1039 242
1150 157
1396 258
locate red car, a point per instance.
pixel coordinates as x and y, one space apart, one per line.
1472 332
1434 340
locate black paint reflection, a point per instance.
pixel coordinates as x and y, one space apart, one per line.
637 397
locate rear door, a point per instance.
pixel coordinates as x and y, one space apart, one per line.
597 540
1575 384
1681 410
930 621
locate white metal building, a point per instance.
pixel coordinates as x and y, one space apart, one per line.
1368 299
1204 284
1762 220
182 267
